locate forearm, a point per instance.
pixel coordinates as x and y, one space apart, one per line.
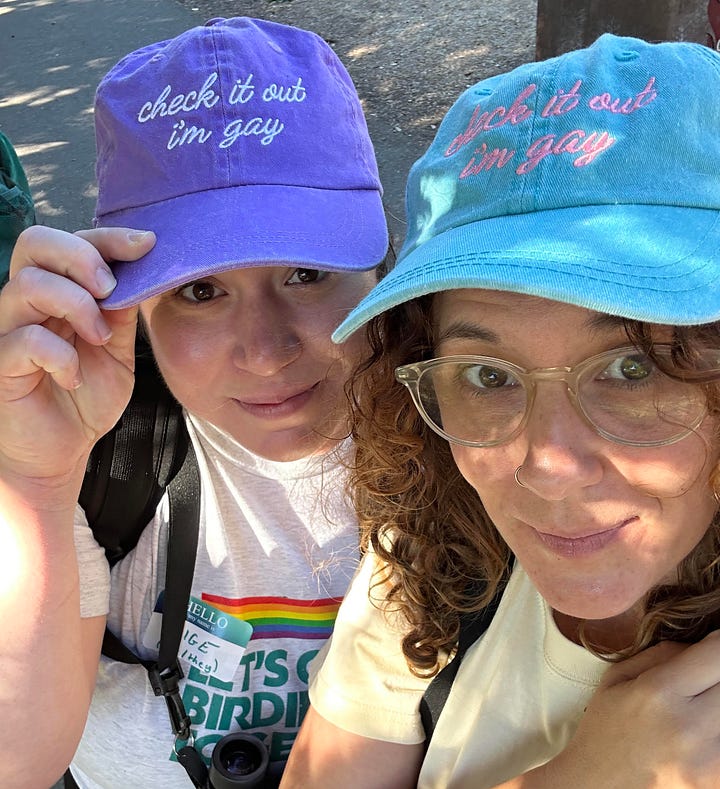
325 755
66 373
45 672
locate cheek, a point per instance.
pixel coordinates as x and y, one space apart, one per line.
488 471
353 350
317 321
184 353
314 332
670 472
687 485
359 285
176 349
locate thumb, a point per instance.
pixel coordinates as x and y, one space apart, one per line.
119 243
123 325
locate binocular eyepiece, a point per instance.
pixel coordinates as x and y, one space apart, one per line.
238 760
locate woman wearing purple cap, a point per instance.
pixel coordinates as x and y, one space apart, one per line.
539 428
240 150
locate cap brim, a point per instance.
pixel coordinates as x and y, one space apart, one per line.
659 264
206 233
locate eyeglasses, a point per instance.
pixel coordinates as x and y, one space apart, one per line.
622 394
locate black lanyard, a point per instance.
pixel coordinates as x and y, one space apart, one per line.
165 672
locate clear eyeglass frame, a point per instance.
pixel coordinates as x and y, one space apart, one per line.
411 376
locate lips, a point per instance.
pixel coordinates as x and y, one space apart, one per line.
277 404
582 546
274 398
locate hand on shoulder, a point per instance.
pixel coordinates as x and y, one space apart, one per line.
652 723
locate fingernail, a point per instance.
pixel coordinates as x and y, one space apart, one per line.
103 330
105 281
138 236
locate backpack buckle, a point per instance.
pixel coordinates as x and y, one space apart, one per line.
165 683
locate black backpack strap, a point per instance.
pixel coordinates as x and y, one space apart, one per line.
145 453
472 626
165 673
130 467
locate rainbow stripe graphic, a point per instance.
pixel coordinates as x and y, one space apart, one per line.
281 617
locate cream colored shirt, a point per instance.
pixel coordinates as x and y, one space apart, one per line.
515 703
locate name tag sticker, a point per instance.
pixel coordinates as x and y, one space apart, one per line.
213 642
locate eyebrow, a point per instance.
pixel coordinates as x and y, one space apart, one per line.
462 330
602 322
598 323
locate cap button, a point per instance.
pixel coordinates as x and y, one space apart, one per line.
216 20
626 55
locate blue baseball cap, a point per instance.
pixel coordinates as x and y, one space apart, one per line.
592 178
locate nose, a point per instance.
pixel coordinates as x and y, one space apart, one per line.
265 340
563 451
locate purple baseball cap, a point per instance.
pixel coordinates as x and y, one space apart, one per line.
239 143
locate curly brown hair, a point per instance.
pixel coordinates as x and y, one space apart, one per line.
428 525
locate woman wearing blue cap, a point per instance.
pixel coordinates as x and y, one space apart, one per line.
241 148
540 419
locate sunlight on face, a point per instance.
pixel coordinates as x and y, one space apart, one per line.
597 523
250 351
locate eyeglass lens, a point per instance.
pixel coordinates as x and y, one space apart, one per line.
626 397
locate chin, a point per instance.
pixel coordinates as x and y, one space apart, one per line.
592 600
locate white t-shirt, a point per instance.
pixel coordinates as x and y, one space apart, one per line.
278 544
515 703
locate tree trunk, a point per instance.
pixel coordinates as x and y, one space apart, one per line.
563 25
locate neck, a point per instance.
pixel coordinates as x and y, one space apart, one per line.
606 636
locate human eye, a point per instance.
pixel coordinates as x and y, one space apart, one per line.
485 395
306 276
483 380
629 370
486 377
200 291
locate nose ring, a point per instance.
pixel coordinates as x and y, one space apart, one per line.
517 479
